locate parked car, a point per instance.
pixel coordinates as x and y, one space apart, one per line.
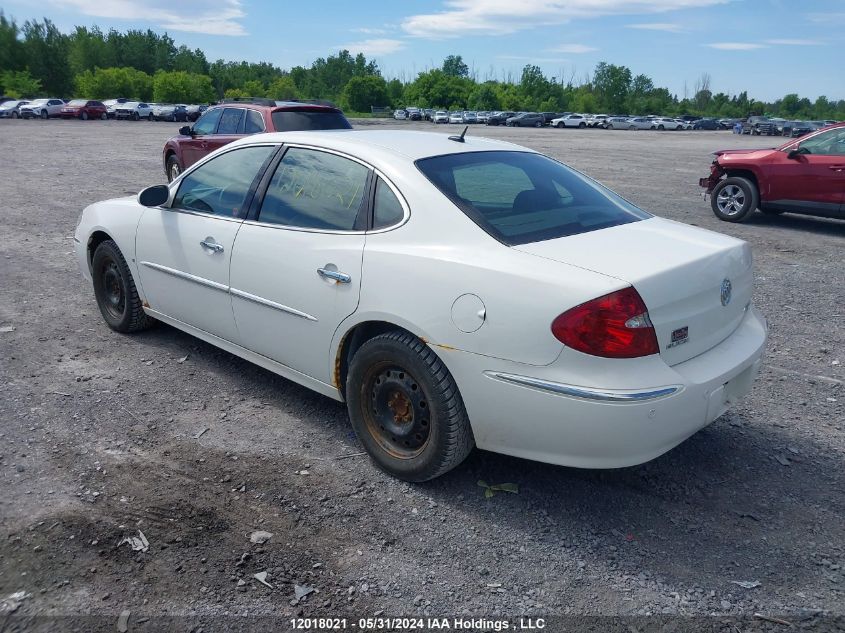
597 120
549 116
428 114
228 122
400 115
689 118
84 109
706 124
170 112
441 116
456 116
640 123
759 125
470 117
570 120
414 114
499 118
664 123
526 119
134 110
5 98
195 111
795 129
482 116
111 104
11 108
617 123
805 176
42 109
610 334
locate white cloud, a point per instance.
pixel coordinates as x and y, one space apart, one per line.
368 31
535 60
374 47
736 46
789 42
195 16
669 27
497 17
575 49
828 19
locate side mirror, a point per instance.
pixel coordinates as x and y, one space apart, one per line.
794 153
186 130
154 196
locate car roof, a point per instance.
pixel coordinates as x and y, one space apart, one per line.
375 144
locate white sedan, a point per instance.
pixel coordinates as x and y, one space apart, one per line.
453 291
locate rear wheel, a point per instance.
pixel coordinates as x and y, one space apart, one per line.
135 116
173 168
114 288
151 117
406 408
632 127
538 124
660 127
734 199
559 124
582 124
103 116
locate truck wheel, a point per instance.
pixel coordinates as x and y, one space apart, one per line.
734 199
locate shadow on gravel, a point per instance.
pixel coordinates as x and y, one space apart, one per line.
795 222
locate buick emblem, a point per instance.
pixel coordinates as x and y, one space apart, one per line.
726 291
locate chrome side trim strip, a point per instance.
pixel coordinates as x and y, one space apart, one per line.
202 281
586 393
271 304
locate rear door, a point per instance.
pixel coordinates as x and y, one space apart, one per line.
184 251
296 267
814 180
229 129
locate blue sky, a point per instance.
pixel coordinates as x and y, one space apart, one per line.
769 47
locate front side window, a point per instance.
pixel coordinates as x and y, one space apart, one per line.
230 121
522 197
221 185
828 143
207 123
315 190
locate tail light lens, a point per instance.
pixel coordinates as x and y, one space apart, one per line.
616 325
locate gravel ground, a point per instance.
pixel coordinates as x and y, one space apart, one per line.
100 436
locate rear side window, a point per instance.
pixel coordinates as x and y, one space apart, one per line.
254 122
315 190
294 120
387 210
521 197
230 121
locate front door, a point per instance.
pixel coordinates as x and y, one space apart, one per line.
203 131
184 251
296 269
814 180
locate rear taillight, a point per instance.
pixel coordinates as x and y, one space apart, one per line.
616 325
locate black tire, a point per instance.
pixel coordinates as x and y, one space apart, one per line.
115 291
151 117
15 115
398 385
538 124
44 115
173 168
660 127
609 126
559 124
84 115
104 116
135 116
582 124
734 199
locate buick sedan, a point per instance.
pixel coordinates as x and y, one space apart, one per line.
452 291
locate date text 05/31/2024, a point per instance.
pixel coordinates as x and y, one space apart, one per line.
417 624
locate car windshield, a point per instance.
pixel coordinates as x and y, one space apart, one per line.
77 102
522 197
290 120
38 101
10 104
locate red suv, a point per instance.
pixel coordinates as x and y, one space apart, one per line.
227 122
84 109
805 175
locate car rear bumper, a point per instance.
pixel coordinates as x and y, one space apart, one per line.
539 413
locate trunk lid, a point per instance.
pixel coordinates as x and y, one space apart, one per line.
679 271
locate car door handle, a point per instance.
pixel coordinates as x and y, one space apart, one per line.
211 245
341 278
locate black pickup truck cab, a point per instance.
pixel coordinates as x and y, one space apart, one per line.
759 126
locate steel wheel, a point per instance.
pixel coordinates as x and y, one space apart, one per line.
114 298
731 200
396 414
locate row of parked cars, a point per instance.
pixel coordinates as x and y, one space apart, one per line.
85 109
560 119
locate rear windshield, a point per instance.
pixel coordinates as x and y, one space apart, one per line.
296 120
522 197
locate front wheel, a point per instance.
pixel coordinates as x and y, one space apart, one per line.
135 116
406 408
84 116
734 199
103 116
44 114
538 124
559 124
582 124
173 168
115 291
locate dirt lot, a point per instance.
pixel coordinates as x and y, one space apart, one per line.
100 436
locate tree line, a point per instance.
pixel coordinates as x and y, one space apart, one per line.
36 58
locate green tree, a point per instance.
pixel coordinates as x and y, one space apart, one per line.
283 88
179 86
612 84
19 83
105 83
395 92
12 53
361 93
191 61
47 56
484 97
454 66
